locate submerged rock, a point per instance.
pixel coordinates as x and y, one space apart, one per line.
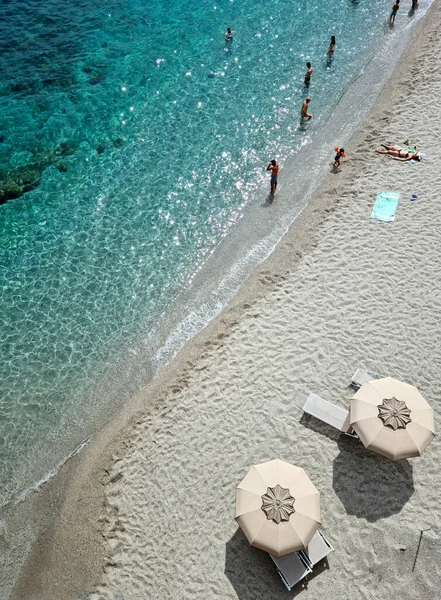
28 178
65 149
62 166
9 189
23 85
118 142
97 79
97 72
16 182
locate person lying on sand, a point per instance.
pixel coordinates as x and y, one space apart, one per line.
400 154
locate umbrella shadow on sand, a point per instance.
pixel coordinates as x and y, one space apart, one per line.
253 574
369 485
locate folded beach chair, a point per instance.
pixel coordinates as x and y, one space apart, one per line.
318 548
329 413
361 376
292 568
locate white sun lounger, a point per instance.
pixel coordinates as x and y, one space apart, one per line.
361 376
318 548
292 568
329 413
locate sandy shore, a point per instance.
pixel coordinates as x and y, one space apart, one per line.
147 511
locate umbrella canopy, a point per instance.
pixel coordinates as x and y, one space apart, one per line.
392 418
278 507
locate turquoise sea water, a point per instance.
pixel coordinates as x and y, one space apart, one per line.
144 138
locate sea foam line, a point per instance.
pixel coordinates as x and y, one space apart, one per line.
227 288
36 487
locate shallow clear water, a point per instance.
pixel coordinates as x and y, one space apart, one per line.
148 137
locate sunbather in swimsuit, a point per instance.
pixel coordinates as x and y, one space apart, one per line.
400 154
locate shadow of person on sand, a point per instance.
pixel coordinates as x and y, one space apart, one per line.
253 574
369 485
269 200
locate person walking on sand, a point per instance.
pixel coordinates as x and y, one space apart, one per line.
308 74
395 9
340 154
304 110
330 51
274 168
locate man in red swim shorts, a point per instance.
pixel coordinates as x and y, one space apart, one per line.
274 168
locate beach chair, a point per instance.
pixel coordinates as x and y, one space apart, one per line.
361 376
292 568
318 548
329 413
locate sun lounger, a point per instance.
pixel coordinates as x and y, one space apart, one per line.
292 568
329 413
318 548
361 376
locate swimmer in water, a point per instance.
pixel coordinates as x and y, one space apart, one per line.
331 46
229 35
308 74
304 110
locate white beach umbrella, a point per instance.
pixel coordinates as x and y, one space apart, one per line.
392 418
278 507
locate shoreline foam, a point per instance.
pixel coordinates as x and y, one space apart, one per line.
265 280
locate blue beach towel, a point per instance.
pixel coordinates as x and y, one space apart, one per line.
385 206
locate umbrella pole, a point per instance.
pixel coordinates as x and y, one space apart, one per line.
418 547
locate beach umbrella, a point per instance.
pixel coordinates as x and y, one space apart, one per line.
278 507
392 418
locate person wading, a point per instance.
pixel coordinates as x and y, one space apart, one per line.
274 168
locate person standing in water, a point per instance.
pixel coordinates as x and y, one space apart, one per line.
304 110
274 168
330 51
395 9
308 74
229 35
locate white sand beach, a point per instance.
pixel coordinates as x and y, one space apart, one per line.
341 291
